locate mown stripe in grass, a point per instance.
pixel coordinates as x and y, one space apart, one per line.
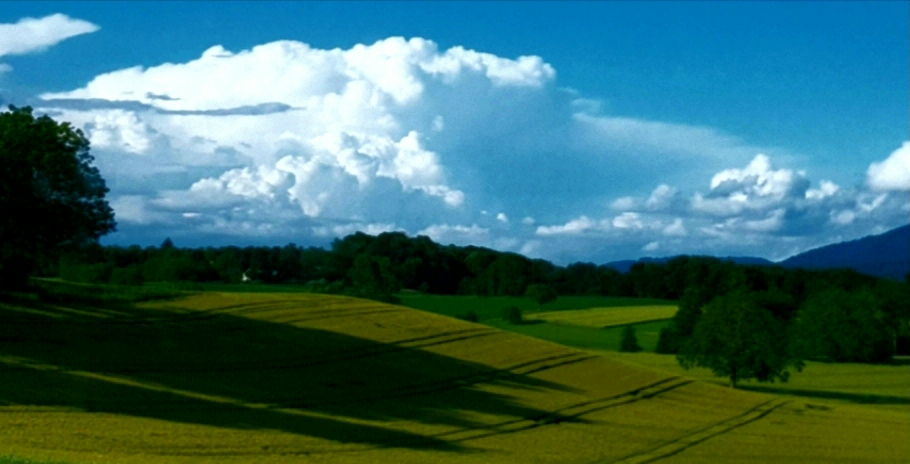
689 440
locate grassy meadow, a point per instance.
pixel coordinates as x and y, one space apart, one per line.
568 320
284 377
607 317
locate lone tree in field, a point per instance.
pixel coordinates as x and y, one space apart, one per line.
629 342
51 197
541 294
736 338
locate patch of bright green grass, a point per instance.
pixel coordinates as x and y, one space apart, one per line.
882 385
584 337
488 308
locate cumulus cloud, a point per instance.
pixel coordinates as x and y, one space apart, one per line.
627 220
573 227
755 187
893 173
624 204
457 234
826 189
662 197
304 142
676 228
30 35
313 127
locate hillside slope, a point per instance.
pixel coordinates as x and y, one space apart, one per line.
884 255
275 378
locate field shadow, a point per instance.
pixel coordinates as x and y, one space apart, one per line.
858 398
225 370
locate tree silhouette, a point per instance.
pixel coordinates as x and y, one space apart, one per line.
51 196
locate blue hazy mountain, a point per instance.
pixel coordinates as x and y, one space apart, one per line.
884 255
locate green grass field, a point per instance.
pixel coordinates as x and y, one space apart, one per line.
285 378
545 323
607 317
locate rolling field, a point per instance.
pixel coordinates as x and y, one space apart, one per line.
281 378
607 317
489 312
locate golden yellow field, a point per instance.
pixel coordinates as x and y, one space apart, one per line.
606 317
269 378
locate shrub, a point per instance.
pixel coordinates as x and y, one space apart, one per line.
130 275
629 342
469 316
512 314
668 342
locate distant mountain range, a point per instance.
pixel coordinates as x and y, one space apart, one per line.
626 264
884 255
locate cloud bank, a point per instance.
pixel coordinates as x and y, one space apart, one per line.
286 142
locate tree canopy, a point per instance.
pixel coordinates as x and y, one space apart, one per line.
50 194
736 338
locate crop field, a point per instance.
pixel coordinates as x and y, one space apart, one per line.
282 378
537 325
491 307
607 317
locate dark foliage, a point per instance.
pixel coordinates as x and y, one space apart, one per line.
512 314
629 342
738 339
51 196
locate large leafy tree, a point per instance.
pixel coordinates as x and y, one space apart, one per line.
736 338
51 197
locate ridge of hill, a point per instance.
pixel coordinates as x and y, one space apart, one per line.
883 255
273 378
626 264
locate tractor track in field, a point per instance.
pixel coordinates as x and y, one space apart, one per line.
682 443
405 391
568 413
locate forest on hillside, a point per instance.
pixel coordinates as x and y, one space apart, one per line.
836 314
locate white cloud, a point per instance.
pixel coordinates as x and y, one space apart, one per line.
826 189
893 173
121 130
30 35
843 217
624 204
677 228
661 198
627 220
348 229
501 217
573 227
652 246
5 68
660 137
528 221
756 187
458 234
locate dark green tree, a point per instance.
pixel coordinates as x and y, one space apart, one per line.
629 342
512 314
51 197
844 326
541 294
736 338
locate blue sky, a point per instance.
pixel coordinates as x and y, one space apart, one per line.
628 128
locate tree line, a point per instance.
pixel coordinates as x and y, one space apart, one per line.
839 314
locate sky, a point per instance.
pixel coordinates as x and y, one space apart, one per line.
588 131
